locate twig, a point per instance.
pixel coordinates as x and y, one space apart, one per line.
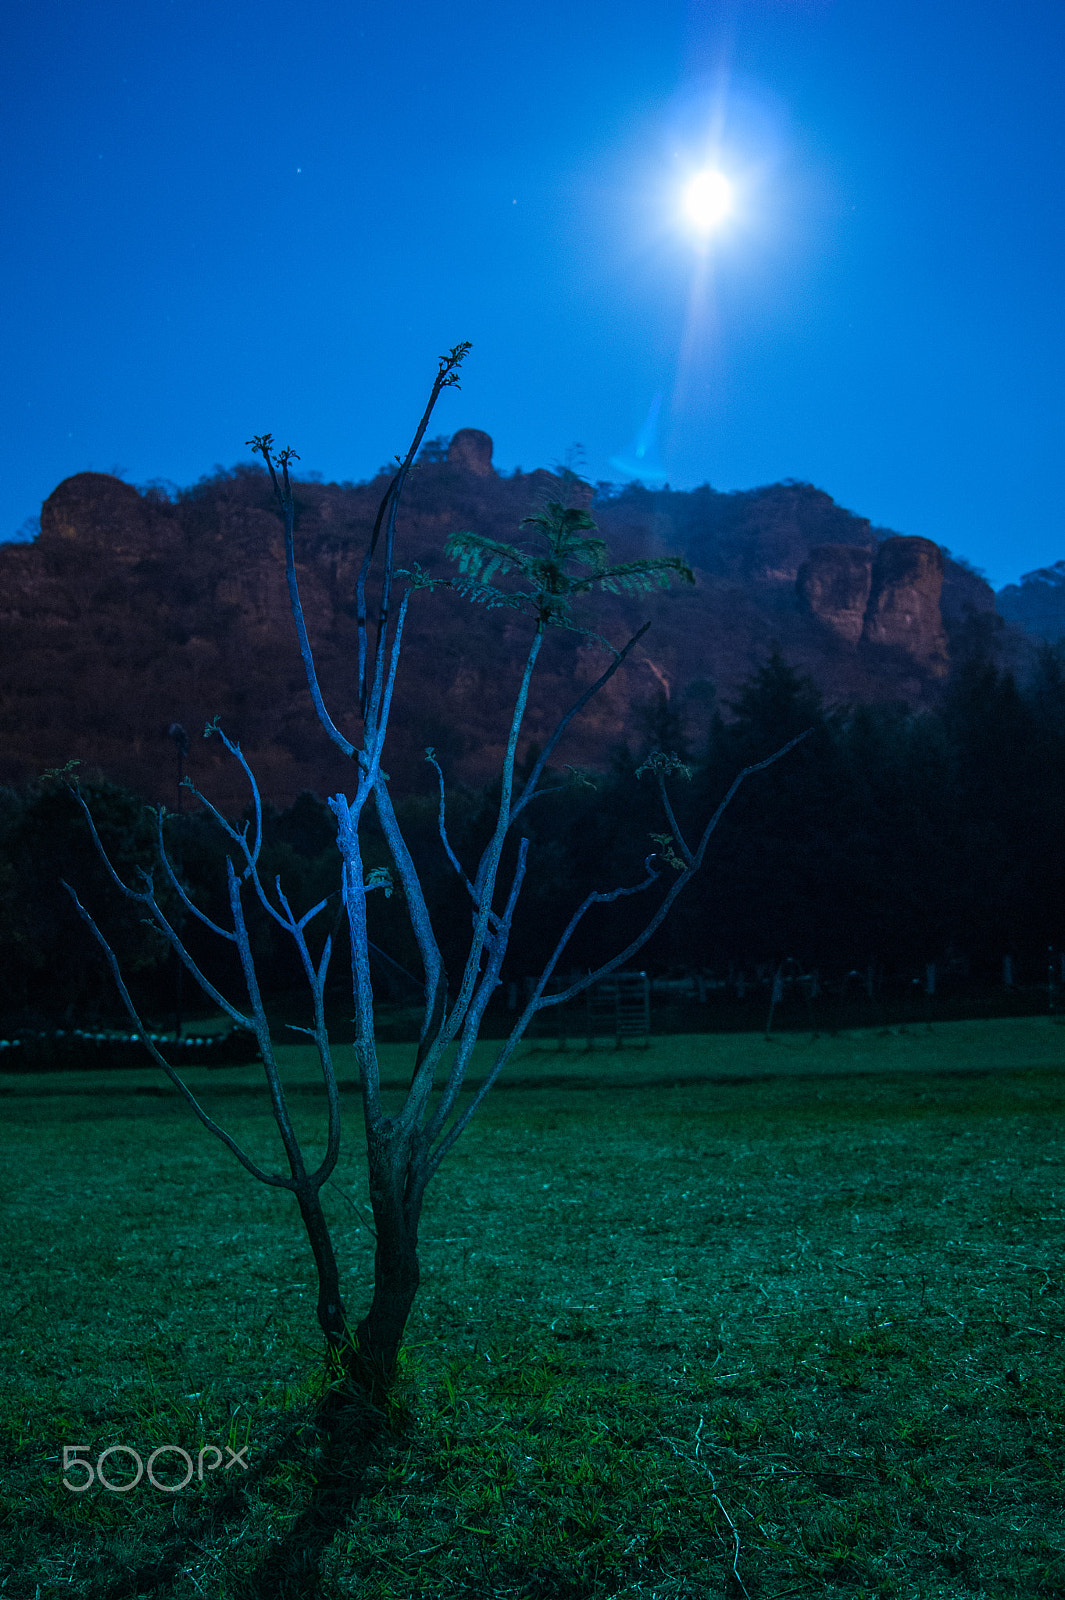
357 1209
716 1499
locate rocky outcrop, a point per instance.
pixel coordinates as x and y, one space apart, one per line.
472 450
833 586
131 612
903 611
888 597
95 509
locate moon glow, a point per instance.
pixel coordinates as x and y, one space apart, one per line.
707 200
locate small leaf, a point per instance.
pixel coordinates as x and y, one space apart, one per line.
379 878
666 850
64 774
661 764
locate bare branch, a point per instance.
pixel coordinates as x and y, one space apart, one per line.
674 824
274 1179
538 1001
263 445
487 987
441 825
262 1028
147 898
316 977
296 930
417 909
596 897
484 882
681 882
227 827
446 377
223 933
251 856
392 962
235 750
661 765
529 791
357 1209
355 904
383 703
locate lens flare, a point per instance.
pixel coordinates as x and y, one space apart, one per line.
708 200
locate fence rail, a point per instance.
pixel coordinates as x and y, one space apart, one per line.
84 1050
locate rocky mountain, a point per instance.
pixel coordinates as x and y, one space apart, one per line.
1037 603
132 611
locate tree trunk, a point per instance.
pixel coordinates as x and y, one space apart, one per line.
397 1187
367 1357
331 1317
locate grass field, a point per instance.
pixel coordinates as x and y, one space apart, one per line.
712 1318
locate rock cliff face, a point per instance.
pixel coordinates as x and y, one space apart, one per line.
131 612
471 450
889 596
903 611
834 583
96 510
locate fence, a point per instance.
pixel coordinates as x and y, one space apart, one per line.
81 1050
788 996
618 1009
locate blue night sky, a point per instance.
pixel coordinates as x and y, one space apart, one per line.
224 218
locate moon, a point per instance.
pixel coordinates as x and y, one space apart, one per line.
707 200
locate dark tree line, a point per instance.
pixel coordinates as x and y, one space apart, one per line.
891 838
888 838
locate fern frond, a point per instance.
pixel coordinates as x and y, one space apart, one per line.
589 552
551 586
558 524
485 594
482 594
629 576
481 557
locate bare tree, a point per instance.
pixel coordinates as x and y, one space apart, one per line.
403 1151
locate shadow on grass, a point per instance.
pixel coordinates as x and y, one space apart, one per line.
347 1436
333 1444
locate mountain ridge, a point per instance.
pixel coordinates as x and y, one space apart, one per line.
132 611
1037 603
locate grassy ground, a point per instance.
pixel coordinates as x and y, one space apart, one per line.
970 1047
789 1335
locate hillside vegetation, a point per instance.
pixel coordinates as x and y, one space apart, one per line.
134 611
